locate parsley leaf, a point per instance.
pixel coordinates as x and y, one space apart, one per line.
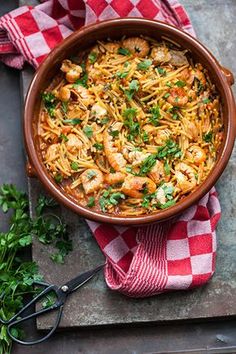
64 107
208 137
91 174
58 178
130 123
114 133
206 100
92 57
180 83
91 202
63 137
154 119
133 87
88 131
122 75
147 164
82 81
74 166
110 199
98 146
145 64
161 71
123 51
49 101
73 121
170 149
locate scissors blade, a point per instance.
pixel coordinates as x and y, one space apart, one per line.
81 279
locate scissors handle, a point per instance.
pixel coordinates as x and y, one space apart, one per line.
36 314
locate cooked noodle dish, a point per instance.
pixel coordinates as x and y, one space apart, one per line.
130 127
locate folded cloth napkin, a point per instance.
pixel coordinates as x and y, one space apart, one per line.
141 261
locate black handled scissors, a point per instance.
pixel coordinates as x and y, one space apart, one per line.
61 294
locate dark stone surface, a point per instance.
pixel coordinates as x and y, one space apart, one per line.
214 23
103 307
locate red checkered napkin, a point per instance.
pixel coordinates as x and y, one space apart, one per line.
167 256
29 34
144 261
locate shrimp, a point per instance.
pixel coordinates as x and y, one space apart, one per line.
112 178
137 46
92 180
98 111
115 159
83 94
64 93
111 47
187 75
178 97
178 58
185 177
160 55
135 186
137 157
162 136
190 129
157 173
73 143
52 152
196 154
72 70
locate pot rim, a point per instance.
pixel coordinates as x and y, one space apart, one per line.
159 216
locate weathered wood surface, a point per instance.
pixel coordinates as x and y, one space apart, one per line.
97 305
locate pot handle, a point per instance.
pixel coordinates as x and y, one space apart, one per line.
30 170
228 75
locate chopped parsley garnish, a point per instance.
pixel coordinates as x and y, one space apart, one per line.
98 146
49 103
123 51
88 131
147 164
73 121
130 123
91 202
145 137
133 87
91 174
92 57
121 75
82 81
104 121
145 64
167 168
200 86
154 119
168 84
206 100
58 178
114 133
110 199
63 137
161 71
208 137
170 149
167 204
64 107
74 166
180 83
166 95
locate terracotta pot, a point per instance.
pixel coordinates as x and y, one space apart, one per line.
115 29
